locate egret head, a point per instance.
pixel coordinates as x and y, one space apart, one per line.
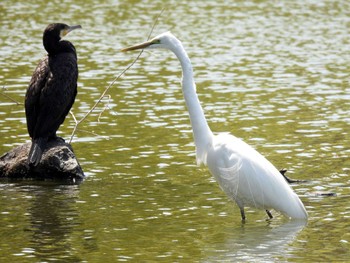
165 40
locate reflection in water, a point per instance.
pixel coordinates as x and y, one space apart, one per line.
275 74
258 243
52 218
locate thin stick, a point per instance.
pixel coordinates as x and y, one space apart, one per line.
155 23
101 97
105 108
112 83
94 133
7 96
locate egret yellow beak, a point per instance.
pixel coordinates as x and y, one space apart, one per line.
138 46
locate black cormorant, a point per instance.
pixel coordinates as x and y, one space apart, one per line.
52 89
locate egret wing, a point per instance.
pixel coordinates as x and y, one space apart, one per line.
250 179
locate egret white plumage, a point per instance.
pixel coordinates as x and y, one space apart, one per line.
243 174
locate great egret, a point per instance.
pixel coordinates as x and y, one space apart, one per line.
242 173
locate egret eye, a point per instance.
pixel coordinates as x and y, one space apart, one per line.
156 41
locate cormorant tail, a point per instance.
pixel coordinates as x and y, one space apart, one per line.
36 151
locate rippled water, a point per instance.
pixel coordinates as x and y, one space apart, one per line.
275 74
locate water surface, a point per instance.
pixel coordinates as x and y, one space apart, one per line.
272 73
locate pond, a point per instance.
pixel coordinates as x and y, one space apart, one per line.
274 73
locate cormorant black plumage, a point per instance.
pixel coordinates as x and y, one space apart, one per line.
52 89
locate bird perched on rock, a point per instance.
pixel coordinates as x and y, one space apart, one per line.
52 89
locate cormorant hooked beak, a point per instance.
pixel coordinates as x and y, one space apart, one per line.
69 29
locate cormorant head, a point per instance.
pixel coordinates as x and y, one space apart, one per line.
53 34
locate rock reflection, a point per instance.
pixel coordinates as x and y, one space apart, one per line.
52 218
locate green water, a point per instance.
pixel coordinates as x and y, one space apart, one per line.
274 73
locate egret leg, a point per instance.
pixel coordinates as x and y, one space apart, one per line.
289 180
242 213
269 214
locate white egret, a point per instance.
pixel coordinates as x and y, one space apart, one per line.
242 173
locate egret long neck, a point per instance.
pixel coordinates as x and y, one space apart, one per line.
201 131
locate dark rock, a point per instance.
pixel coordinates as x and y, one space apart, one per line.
58 162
